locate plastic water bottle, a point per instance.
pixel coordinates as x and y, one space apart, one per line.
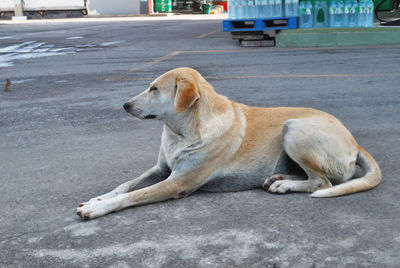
291 8
239 9
245 14
244 9
362 7
302 15
309 13
280 8
370 14
353 14
332 13
272 4
339 18
305 15
265 9
236 7
257 8
295 4
231 9
250 9
347 9
271 8
287 8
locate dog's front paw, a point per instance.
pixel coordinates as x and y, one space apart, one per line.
91 210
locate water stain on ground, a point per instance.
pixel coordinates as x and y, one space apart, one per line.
34 49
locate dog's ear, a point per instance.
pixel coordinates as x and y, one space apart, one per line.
187 94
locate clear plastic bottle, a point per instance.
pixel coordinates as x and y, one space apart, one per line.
302 13
231 9
370 14
291 8
353 14
275 8
257 7
339 18
347 13
305 15
295 4
287 5
238 9
265 9
332 13
273 4
280 8
245 13
261 9
250 9
362 7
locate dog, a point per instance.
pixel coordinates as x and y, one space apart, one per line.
214 144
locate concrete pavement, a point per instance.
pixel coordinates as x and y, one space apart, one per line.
64 138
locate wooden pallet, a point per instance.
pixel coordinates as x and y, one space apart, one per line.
262 24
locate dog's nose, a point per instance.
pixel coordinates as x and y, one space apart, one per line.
126 106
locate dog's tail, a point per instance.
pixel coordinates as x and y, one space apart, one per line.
371 178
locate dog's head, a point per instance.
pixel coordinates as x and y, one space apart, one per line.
172 93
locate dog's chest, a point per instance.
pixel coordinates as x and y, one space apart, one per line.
171 151
174 147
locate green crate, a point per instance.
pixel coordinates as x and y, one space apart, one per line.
387 5
163 5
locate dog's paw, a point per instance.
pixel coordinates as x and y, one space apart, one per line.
280 186
91 210
268 182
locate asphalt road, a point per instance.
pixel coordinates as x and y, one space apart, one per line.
64 138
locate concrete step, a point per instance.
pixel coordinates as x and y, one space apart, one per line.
331 37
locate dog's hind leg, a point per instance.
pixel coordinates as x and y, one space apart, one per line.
277 177
281 183
322 147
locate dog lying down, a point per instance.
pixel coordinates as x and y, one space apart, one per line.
214 144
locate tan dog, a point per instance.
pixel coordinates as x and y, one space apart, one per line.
214 144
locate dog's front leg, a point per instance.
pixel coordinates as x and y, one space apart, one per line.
176 186
155 173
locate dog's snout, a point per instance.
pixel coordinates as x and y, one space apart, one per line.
126 106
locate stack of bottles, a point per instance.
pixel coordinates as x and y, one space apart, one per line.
336 13
256 9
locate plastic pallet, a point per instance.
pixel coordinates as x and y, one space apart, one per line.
262 24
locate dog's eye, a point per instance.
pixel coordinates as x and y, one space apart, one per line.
153 89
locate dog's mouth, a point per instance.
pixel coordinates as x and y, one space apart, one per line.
139 114
151 116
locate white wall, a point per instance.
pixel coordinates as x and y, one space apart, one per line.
94 7
115 7
7 5
53 4
32 5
